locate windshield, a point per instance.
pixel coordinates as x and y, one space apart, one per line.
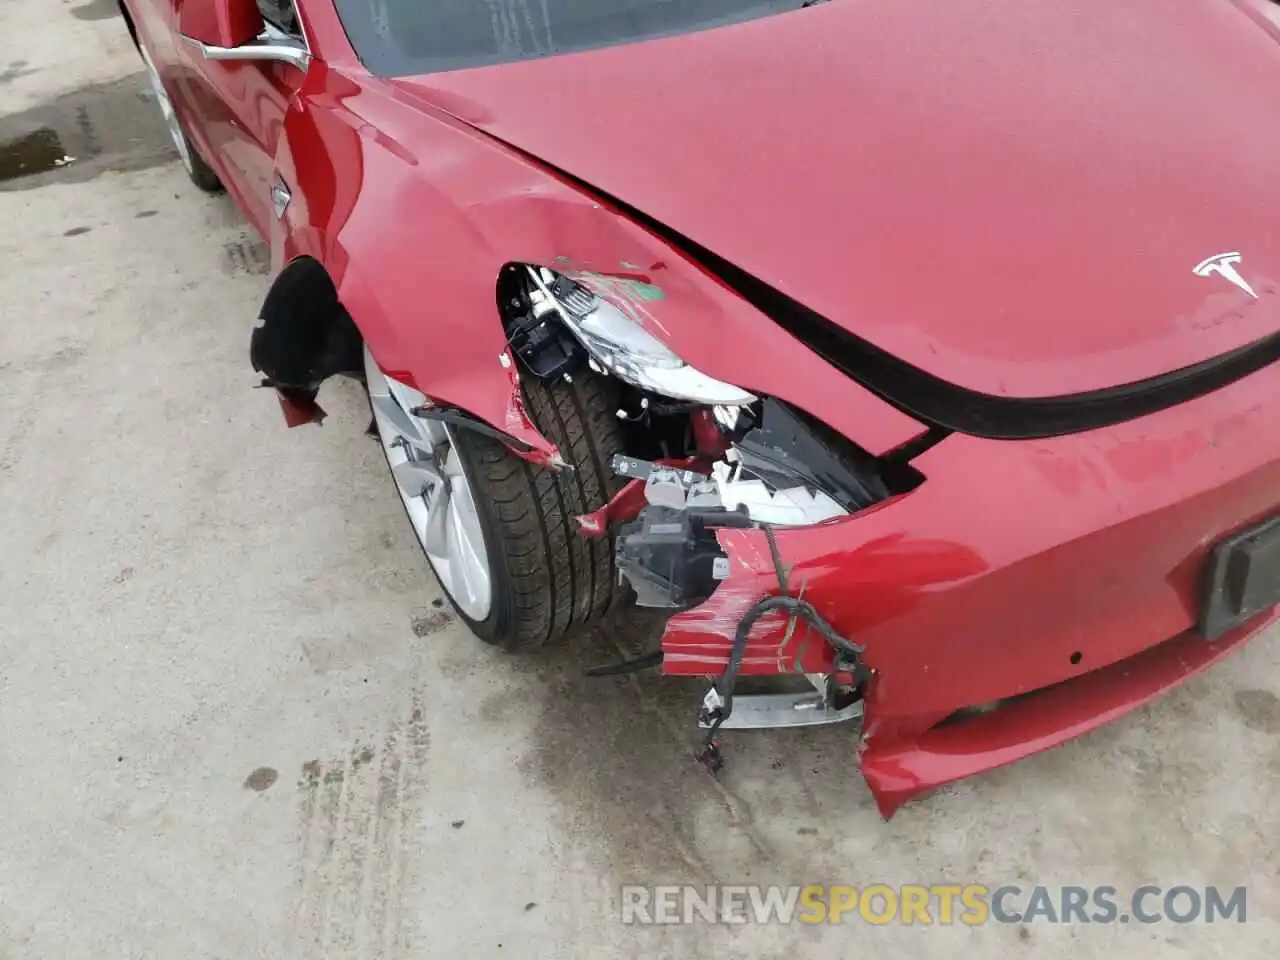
404 37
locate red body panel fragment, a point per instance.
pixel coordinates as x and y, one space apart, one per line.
300 411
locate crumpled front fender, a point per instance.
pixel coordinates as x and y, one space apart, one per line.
415 241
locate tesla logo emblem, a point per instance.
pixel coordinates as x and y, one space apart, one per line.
1224 264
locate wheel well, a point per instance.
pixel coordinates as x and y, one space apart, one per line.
128 22
306 335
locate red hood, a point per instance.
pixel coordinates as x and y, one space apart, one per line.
1009 194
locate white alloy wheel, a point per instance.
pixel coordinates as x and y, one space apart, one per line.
436 492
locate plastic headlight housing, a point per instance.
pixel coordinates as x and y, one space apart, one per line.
623 348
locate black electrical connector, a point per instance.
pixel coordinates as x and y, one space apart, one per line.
541 344
671 556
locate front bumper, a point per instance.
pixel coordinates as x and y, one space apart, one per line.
899 770
1066 569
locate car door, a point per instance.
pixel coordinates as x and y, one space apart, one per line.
241 105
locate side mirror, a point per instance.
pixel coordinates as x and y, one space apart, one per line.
220 23
235 30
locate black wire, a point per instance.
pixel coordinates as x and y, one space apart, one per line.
796 607
645 661
778 569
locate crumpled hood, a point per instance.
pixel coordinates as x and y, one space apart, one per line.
1011 195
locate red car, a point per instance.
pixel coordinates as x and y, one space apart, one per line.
920 353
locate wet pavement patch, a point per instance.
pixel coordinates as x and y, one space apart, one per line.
15 70
36 152
432 622
96 10
261 779
82 134
1259 709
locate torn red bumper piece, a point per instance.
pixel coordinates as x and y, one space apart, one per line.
300 409
1024 594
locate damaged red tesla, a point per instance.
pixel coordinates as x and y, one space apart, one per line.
918 357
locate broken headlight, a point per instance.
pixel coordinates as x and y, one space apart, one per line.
619 345
782 468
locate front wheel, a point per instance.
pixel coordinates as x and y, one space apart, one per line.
498 531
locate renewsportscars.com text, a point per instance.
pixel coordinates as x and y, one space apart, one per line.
927 904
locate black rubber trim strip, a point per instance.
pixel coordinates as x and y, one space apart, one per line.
937 402
906 452
458 418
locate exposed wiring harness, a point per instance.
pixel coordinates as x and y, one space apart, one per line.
848 653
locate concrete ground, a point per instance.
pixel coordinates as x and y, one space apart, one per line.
235 722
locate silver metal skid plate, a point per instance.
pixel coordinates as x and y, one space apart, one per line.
764 710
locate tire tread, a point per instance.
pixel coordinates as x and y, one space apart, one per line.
558 580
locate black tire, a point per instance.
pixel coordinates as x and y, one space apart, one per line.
547 579
201 173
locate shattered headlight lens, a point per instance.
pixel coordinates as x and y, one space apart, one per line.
623 348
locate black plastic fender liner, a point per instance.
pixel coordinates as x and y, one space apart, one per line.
306 335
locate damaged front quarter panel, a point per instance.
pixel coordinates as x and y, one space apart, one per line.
420 288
